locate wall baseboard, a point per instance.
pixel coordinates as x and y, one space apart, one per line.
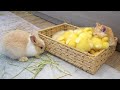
47 18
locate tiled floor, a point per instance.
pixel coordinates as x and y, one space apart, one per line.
37 21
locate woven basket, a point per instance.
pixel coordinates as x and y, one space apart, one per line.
85 61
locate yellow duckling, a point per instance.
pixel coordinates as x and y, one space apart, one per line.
105 45
72 44
86 35
83 45
105 42
105 39
67 33
83 35
78 31
64 35
80 37
97 43
71 40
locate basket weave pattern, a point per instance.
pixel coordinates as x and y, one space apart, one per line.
84 61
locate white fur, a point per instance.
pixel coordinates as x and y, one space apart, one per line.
30 49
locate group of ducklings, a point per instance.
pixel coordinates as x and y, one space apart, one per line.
82 39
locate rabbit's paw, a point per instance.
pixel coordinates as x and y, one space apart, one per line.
23 59
37 56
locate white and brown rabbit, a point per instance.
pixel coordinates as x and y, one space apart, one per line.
20 45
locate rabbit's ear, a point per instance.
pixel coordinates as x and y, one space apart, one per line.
33 39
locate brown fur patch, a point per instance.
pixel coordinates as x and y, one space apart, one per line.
16 40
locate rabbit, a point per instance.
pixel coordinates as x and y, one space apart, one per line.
102 31
19 44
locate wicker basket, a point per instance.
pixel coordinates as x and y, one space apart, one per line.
85 61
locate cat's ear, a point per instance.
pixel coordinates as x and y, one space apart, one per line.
98 24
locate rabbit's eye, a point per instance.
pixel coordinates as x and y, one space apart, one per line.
41 47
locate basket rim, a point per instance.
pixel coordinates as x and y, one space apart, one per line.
57 26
